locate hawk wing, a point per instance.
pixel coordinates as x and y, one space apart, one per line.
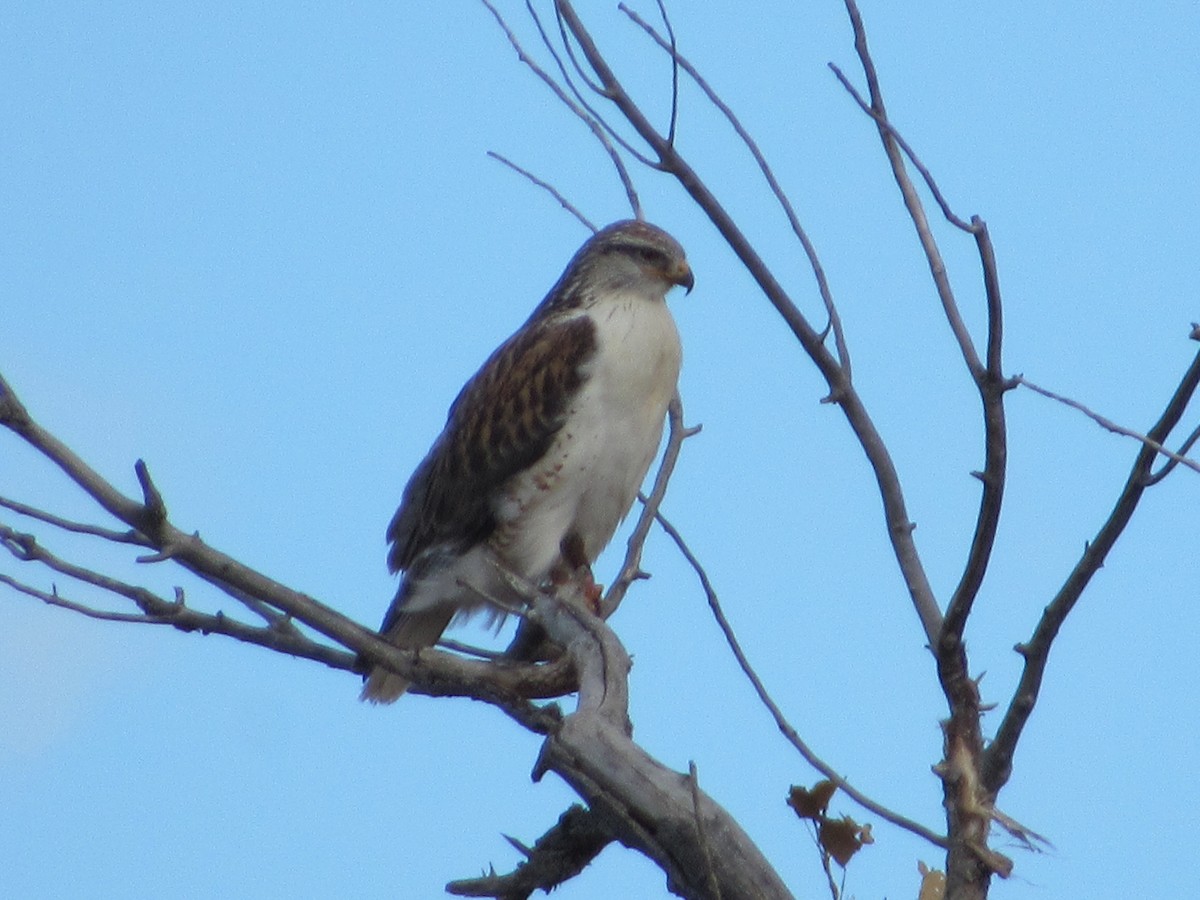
503 421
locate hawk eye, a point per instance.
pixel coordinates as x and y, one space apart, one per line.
649 254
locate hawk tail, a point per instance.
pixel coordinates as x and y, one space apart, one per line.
410 631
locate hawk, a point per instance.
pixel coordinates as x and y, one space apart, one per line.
544 449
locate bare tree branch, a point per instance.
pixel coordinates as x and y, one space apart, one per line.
988 378
842 392
1110 425
108 534
970 863
597 131
998 757
642 803
546 186
615 135
781 721
432 672
559 855
631 568
155 610
810 250
674 50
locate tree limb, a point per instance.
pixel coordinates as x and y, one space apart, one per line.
842 391
559 855
998 757
631 567
781 722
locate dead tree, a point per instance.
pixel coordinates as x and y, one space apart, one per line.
630 797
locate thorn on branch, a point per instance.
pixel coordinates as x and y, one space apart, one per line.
524 849
559 855
161 556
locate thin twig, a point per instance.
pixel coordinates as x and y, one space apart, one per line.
546 186
117 537
593 126
662 11
613 134
104 615
1110 425
155 610
631 568
1172 463
781 721
926 175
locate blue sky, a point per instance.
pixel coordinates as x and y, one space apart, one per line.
262 251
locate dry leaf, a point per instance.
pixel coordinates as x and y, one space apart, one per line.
839 838
933 883
811 804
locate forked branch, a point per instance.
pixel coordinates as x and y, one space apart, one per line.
998 758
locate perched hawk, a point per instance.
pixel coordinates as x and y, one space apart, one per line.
545 448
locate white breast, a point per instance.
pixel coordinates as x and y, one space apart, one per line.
590 477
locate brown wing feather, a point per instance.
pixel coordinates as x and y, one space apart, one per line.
502 422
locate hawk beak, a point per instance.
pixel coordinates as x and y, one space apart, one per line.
682 276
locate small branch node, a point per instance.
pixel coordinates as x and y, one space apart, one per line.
154 510
161 556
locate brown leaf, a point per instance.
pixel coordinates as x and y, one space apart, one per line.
840 838
812 804
933 883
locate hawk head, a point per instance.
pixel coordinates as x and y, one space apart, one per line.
632 256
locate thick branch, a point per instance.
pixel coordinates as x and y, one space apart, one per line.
432 672
155 610
642 803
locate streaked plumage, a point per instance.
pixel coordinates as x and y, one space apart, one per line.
544 449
